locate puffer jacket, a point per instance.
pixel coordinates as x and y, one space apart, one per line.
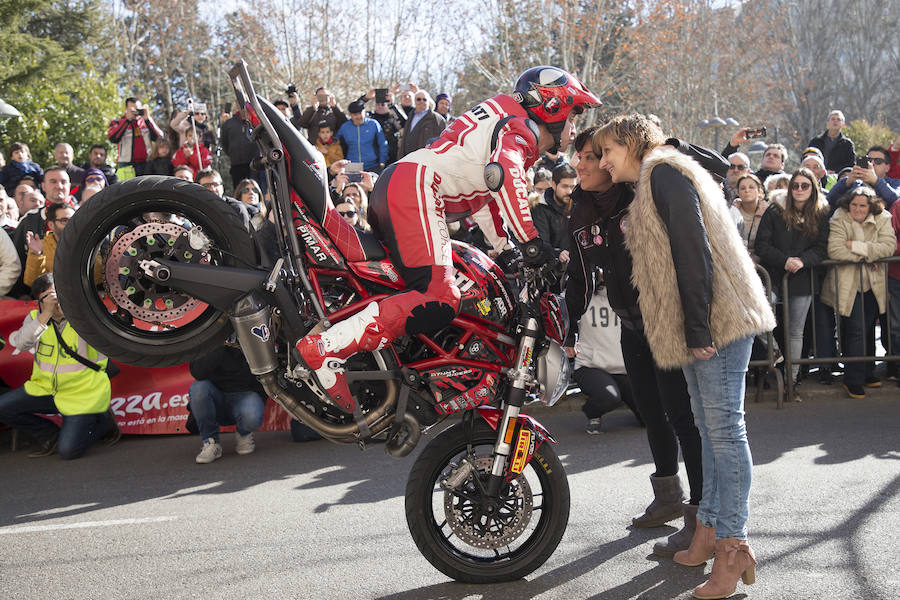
775 243
870 240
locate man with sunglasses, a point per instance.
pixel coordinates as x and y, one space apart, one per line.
738 166
59 383
886 188
42 251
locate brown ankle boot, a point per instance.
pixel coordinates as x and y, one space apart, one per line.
701 549
734 560
681 539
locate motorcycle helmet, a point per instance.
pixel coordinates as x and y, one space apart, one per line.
549 95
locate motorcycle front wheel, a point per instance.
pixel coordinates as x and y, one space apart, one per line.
471 538
107 297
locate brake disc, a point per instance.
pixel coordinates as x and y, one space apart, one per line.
475 527
126 283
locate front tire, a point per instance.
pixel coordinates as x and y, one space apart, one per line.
129 317
454 535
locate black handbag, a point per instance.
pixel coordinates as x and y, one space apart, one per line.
112 369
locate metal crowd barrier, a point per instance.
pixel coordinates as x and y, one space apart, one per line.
839 354
769 362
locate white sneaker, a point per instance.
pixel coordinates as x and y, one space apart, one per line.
212 450
245 443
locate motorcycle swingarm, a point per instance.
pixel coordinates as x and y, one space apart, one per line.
525 435
216 285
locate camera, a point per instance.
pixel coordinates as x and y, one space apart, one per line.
862 162
291 89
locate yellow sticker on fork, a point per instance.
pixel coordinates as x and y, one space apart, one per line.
522 446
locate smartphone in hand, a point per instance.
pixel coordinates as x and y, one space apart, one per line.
758 132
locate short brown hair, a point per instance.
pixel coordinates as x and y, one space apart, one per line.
876 205
636 132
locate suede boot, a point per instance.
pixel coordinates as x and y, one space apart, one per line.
681 539
666 505
734 560
702 547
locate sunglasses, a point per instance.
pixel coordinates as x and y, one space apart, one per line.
738 167
421 100
211 184
876 161
347 213
94 180
801 185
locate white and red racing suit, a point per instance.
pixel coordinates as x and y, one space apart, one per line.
409 209
415 198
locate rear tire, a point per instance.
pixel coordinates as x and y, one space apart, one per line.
120 208
445 549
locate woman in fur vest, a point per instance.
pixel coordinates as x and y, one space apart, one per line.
702 303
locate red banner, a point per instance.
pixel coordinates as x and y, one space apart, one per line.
145 401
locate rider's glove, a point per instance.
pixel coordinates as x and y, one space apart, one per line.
509 260
537 252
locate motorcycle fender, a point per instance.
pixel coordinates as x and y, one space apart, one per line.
527 437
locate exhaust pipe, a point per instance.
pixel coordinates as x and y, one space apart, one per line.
348 433
251 321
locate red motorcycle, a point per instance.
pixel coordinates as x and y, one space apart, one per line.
487 500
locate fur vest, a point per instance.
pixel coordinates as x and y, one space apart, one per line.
739 307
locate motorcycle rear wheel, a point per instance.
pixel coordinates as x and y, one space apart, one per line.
131 318
540 494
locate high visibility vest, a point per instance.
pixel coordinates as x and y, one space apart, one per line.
76 389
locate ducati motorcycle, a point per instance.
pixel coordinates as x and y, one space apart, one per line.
156 271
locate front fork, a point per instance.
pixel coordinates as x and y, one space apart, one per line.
520 376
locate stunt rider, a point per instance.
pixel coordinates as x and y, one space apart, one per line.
477 166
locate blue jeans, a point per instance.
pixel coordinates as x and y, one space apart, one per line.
717 399
856 373
19 409
213 407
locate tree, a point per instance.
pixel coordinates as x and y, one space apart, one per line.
865 135
77 113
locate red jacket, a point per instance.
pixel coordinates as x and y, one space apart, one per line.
181 159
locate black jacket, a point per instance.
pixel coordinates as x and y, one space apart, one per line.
597 241
236 143
551 221
228 370
842 154
775 243
391 125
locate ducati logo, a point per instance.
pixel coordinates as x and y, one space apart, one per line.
552 105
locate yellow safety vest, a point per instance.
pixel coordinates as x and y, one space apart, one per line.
76 389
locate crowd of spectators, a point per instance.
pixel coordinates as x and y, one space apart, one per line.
790 221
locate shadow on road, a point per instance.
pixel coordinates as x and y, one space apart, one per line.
664 578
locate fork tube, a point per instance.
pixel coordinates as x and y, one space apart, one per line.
513 403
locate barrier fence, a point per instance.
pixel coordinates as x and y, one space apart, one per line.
835 326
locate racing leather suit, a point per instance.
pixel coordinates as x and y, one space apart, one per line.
409 209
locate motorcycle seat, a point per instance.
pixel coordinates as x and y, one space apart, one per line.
306 175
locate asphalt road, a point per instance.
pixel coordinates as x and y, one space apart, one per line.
316 520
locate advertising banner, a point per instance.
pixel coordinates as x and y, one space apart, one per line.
145 401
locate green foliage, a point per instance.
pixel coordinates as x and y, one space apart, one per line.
39 39
865 135
77 112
